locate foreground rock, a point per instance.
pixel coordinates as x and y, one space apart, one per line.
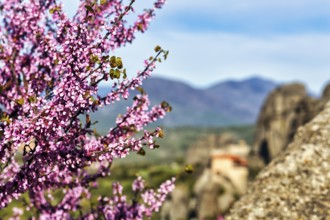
295 185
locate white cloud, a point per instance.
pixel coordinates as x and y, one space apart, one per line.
255 16
206 58
229 6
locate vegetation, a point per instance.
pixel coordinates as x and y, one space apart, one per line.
179 139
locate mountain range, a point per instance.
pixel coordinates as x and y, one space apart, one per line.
225 103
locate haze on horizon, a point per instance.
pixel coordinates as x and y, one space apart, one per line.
211 41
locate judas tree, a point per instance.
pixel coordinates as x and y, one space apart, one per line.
51 68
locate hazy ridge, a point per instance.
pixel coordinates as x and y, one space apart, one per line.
226 103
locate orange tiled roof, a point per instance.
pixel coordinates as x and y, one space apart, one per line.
238 160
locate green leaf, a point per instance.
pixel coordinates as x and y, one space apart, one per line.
112 73
189 169
105 57
32 99
141 90
103 2
157 48
161 133
166 54
96 102
117 74
113 62
55 9
89 8
141 152
20 101
124 74
132 128
119 63
166 106
94 59
52 11
5 118
86 95
140 27
95 133
88 121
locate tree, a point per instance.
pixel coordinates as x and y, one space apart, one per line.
51 67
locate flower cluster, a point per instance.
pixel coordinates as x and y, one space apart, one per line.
118 208
51 67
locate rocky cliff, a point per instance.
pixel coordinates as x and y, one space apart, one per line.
295 185
286 109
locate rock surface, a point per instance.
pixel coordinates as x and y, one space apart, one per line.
286 109
295 185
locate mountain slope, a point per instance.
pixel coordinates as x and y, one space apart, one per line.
225 103
241 99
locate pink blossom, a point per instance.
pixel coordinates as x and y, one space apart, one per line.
51 67
138 184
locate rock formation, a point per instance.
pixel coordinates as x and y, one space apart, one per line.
177 205
223 182
295 185
286 109
222 179
199 153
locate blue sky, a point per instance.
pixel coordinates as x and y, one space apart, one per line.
214 40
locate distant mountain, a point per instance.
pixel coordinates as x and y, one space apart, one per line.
226 103
240 99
